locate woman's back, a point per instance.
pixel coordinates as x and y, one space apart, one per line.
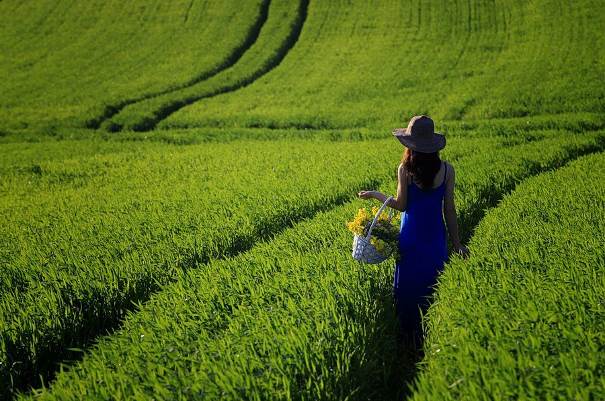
422 248
422 221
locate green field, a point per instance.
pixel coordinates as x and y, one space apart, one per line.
176 177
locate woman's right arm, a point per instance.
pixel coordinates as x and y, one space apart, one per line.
400 201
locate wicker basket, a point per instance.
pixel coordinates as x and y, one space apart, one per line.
363 250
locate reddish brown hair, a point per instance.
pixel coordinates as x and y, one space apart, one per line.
423 167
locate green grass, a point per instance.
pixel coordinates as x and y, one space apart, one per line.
69 63
263 114
376 64
274 323
294 318
84 237
278 34
453 59
523 318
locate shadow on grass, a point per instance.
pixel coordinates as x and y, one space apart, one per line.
383 357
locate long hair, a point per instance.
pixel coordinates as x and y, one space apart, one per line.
422 166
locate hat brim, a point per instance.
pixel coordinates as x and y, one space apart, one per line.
429 144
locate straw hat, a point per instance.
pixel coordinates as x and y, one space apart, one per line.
420 135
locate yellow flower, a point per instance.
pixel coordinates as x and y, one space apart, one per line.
397 219
384 215
359 222
364 217
355 227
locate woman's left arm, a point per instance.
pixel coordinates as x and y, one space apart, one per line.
399 202
449 212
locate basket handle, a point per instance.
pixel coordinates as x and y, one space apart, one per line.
376 217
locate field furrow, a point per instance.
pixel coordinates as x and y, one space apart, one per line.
188 209
524 316
277 36
232 58
292 318
457 59
67 63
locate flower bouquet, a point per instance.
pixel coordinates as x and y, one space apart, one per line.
375 234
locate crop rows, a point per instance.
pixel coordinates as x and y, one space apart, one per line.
488 59
229 60
278 34
369 66
84 237
294 318
70 64
524 318
516 130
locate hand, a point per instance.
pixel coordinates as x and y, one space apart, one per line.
462 251
366 194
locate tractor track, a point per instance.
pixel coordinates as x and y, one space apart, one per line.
289 42
113 109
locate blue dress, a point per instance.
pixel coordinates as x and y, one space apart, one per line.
422 252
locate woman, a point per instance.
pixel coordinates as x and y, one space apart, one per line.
425 195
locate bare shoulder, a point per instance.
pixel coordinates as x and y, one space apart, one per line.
401 170
451 172
402 173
